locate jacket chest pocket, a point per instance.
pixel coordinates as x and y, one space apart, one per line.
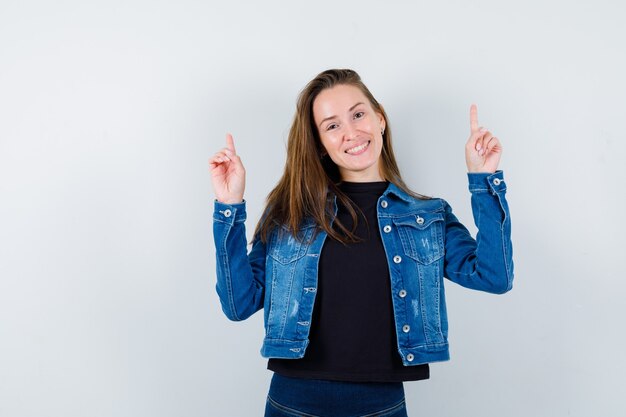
285 248
422 236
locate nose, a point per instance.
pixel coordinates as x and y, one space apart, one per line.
350 132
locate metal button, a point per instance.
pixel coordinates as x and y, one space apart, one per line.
383 204
397 259
387 229
402 293
410 357
420 220
497 181
227 213
406 328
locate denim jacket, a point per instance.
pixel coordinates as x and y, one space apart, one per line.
423 241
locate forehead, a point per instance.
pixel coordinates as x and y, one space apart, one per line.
336 100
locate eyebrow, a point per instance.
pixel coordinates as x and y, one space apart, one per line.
332 117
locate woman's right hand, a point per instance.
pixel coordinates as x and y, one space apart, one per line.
227 174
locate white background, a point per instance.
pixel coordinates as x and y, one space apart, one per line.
109 111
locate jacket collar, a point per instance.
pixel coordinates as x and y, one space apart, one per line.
394 190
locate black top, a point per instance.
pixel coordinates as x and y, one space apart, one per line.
353 335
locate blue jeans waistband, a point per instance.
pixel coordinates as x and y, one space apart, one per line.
335 398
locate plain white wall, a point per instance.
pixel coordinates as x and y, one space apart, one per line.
109 111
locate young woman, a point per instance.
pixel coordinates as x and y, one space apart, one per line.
347 262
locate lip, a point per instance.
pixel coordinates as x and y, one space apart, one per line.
367 144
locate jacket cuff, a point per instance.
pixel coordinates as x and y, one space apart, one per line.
485 181
229 213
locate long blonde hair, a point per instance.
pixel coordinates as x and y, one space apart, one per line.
310 179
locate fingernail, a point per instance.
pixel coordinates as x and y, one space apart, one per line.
478 146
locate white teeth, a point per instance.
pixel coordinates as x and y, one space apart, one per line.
357 148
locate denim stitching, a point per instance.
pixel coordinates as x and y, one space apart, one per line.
386 411
420 277
438 303
297 413
270 314
228 279
283 319
506 266
478 221
504 246
410 247
293 412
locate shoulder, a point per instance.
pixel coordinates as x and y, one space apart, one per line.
428 204
398 204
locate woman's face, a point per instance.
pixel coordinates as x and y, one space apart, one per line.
350 131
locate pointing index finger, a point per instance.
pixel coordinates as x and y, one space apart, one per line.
230 143
473 118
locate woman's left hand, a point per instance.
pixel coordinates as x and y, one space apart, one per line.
482 150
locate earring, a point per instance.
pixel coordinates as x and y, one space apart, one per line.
382 132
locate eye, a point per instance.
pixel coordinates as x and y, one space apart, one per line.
331 126
359 115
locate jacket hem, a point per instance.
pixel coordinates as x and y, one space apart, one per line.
294 349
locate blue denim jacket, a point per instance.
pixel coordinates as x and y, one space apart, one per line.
424 242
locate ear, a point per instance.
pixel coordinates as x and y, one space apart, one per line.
381 119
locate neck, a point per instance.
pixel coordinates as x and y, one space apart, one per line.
362 176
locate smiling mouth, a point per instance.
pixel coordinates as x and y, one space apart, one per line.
358 149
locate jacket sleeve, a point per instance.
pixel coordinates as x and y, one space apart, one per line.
240 275
484 263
